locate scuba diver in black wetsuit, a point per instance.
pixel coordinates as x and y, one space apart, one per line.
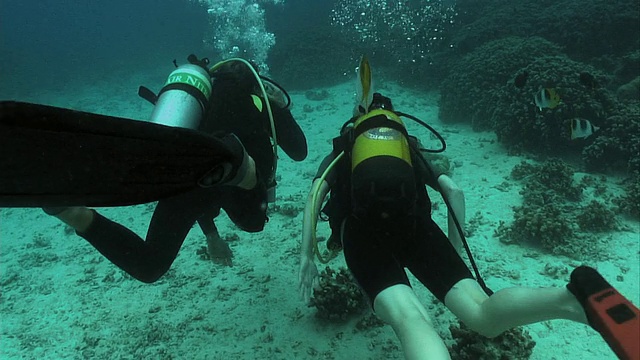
231 101
380 215
237 109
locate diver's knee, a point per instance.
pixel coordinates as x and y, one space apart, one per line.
400 307
408 317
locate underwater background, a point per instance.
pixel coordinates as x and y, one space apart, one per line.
542 198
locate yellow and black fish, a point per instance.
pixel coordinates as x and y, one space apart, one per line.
547 98
364 87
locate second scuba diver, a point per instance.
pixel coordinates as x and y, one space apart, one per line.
380 214
230 101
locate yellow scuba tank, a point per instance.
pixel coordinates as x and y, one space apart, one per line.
379 141
382 176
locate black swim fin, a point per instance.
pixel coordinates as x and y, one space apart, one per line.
51 156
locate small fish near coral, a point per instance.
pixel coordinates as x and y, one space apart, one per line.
588 80
547 98
582 128
521 80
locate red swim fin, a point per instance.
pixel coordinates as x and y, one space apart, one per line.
610 313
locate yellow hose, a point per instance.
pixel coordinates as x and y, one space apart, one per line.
314 215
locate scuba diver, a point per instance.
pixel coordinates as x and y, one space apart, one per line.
380 213
237 109
231 101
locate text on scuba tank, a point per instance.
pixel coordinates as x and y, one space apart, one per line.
184 78
382 133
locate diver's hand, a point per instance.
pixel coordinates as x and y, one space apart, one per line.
307 278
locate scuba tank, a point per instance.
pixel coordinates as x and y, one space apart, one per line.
184 98
383 183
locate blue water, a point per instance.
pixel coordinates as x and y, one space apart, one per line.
44 43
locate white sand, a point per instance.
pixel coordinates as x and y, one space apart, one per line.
61 299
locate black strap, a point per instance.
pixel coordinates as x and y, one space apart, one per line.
188 89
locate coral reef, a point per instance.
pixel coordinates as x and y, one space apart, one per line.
617 147
469 345
585 28
596 216
551 215
520 125
552 175
337 296
547 225
469 92
627 68
493 43
630 90
481 89
629 203
523 170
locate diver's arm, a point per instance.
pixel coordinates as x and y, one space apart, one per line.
436 178
311 210
455 196
308 271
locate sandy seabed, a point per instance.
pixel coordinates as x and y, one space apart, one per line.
60 299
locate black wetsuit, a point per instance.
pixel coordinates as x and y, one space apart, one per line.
232 110
377 254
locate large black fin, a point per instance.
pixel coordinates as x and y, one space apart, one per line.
52 156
